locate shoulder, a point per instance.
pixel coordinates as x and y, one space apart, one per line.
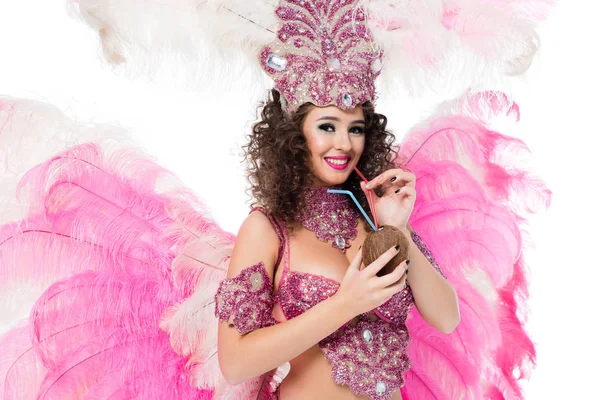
260 224
257 241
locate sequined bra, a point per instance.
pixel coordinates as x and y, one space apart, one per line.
368 354
299 291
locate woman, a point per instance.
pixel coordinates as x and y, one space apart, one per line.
128 269
292 157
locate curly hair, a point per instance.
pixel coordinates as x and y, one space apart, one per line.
277 157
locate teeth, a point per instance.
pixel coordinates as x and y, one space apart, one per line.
337 162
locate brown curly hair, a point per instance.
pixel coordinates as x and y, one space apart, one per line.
277 157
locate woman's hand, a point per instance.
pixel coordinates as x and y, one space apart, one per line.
362 290
398 200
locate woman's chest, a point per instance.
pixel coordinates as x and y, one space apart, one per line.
307 254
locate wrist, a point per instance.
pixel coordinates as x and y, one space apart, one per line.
342 307
404 230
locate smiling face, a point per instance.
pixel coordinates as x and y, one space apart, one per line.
335 140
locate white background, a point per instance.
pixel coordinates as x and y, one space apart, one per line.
196 132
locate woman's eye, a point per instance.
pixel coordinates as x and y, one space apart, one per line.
327 127
357 129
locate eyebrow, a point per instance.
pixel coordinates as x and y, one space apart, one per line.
327 118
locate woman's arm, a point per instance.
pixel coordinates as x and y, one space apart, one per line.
434 296
242 357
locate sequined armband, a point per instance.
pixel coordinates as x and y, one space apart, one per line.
426 252
245 301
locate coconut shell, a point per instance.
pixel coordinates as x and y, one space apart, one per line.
377 243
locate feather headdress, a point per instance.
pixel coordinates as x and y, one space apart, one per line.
424 43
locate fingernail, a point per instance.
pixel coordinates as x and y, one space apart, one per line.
393 179
368 186
397 191
397 247
407 263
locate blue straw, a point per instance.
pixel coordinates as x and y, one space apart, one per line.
349 193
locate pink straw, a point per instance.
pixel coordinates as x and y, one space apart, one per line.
369 198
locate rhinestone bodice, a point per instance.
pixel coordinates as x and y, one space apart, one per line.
368 355
299 291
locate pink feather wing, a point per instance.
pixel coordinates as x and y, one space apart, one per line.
471 211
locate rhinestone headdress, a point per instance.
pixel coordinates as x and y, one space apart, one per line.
323 54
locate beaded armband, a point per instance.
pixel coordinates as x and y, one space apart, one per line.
426 252
245 301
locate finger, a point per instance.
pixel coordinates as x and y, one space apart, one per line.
403 179
406 191
363 186
408 197
404 168
357 260
397 287
380 262
394 276
393 177
383 177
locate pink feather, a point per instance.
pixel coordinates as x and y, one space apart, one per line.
470 211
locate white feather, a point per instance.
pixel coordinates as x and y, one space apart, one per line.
428 44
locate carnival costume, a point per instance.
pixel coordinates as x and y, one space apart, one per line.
133 268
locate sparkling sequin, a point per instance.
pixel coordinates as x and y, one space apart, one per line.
426 252
330 216
329 50
245 301
402 300
300 291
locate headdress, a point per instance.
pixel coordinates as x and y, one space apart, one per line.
323 53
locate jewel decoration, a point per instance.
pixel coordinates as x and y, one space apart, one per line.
330 216
380 388
333 64
367 336
276 62
346 99
376 66
323 49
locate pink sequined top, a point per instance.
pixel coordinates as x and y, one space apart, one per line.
369 356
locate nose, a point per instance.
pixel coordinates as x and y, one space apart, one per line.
342 141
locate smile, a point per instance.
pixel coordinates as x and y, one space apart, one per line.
338 164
